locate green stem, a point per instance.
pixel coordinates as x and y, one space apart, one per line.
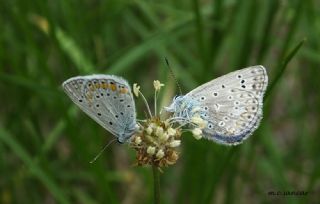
155 103
156 184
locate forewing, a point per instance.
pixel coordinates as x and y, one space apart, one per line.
106 99
232 104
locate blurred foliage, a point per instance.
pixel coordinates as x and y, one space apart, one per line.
46 143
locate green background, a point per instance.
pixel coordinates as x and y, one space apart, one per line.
46 142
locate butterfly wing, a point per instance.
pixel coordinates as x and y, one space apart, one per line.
106 99
232 104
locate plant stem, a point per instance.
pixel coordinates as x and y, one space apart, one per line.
146 103
155 103
156 184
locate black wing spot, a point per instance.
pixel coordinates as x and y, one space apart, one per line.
242 81
97 105
110 123
99 114
243 86
121 113
108 94
223 86
80 100
128 106
116 116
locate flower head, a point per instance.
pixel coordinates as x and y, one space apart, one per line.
159 131
199 121
157 85
136 89
157 140
175 143
157 147
197 133
160 154
151 150
149 130
171 131
137 140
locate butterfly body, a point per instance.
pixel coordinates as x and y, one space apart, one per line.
231 105
107 99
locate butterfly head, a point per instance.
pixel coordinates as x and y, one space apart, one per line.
182 107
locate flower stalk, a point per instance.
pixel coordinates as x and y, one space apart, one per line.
156 184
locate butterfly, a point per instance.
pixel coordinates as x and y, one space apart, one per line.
231 105
107 99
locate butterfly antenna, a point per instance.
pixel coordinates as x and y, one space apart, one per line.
101 151
173 75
